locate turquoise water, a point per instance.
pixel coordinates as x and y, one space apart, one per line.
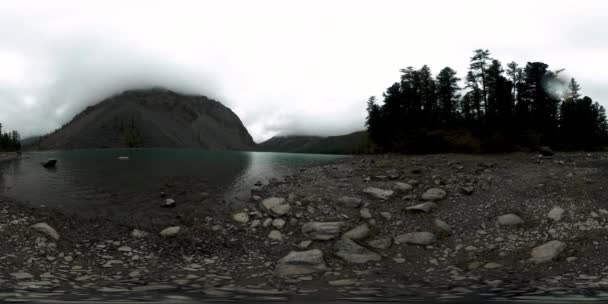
98 180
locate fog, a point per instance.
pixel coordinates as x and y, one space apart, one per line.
285 67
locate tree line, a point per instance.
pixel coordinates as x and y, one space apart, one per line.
10 141
498 109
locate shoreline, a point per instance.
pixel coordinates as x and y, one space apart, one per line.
9 156
246 253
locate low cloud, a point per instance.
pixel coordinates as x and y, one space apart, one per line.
285 67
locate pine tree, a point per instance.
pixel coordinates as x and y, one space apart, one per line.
448 96
479 64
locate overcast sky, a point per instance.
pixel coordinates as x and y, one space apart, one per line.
285 67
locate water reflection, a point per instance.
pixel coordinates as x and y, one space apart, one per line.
98 182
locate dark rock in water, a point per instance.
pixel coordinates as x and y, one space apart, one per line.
163 195
50 163
169 203
546 151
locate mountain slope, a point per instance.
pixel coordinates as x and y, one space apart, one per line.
354 143
152 118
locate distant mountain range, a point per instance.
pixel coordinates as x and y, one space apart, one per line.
354 143
150 118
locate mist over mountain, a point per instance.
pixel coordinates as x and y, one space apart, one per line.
151 118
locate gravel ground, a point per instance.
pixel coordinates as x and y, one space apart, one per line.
477 232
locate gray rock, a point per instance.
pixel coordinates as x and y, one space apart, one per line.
416 238
44 228
352 252
424 207
278 223
358 233
509 220
275 206
125 249
322 231
349 202
171 231
169 203
386 215
378 193
548 251
301 263
241 217
365 213
136 233
434 194
556 214
22 276
492 265
403 186
304 244
381 243
441 225
255 223
275 235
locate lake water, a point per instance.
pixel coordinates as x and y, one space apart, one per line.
97 182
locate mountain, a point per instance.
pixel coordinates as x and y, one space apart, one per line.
354 143
151 118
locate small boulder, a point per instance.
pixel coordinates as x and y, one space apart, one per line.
169 203
352 252
275 206
349 202
241 217
546 151
441 225
365 213
416 238
304 244
434 194
301 263
44 228
22 276
509 220
322 231
278 223
358 233
136 233
275 235
171 231
381 243
548 251
492 265
424 207
403 186
556 214
378 193
50 163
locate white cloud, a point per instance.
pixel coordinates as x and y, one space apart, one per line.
283 66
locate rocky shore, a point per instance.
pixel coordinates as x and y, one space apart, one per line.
517 225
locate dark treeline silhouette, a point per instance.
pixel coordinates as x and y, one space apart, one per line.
9 141
498 109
